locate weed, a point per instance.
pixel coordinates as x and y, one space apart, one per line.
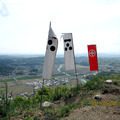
117 83
28 118
86 102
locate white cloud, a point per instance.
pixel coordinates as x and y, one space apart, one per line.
27 25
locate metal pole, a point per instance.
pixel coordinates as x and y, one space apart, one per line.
6 93
41 95
76 74
75 63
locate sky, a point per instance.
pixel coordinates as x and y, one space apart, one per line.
24 25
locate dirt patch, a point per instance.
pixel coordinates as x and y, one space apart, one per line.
106 109
111 89
37 114
95 113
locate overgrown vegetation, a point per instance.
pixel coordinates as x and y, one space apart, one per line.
27 107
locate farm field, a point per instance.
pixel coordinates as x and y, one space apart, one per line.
19 87
19 70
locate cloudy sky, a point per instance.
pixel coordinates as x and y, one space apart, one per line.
24 24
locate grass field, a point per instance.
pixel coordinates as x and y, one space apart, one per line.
19 86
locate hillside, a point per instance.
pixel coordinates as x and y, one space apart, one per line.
74 103
106 109
20 75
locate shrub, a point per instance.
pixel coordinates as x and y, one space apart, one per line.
18 100
94 84
55 93
37 98
74 90
46 91
64 110
2 110
65 91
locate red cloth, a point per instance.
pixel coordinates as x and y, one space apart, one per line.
92 54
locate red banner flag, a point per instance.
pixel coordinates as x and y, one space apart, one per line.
92 53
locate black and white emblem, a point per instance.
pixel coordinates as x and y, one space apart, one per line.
68 45
51 49
51 45
68 51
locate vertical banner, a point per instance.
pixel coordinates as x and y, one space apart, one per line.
68 51
92 53
51 49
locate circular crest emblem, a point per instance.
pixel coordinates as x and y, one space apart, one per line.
92 53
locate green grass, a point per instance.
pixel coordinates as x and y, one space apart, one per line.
117 83
95 84
21 106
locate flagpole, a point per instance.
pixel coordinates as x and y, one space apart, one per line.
75 63
51 49
41 95
76 73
